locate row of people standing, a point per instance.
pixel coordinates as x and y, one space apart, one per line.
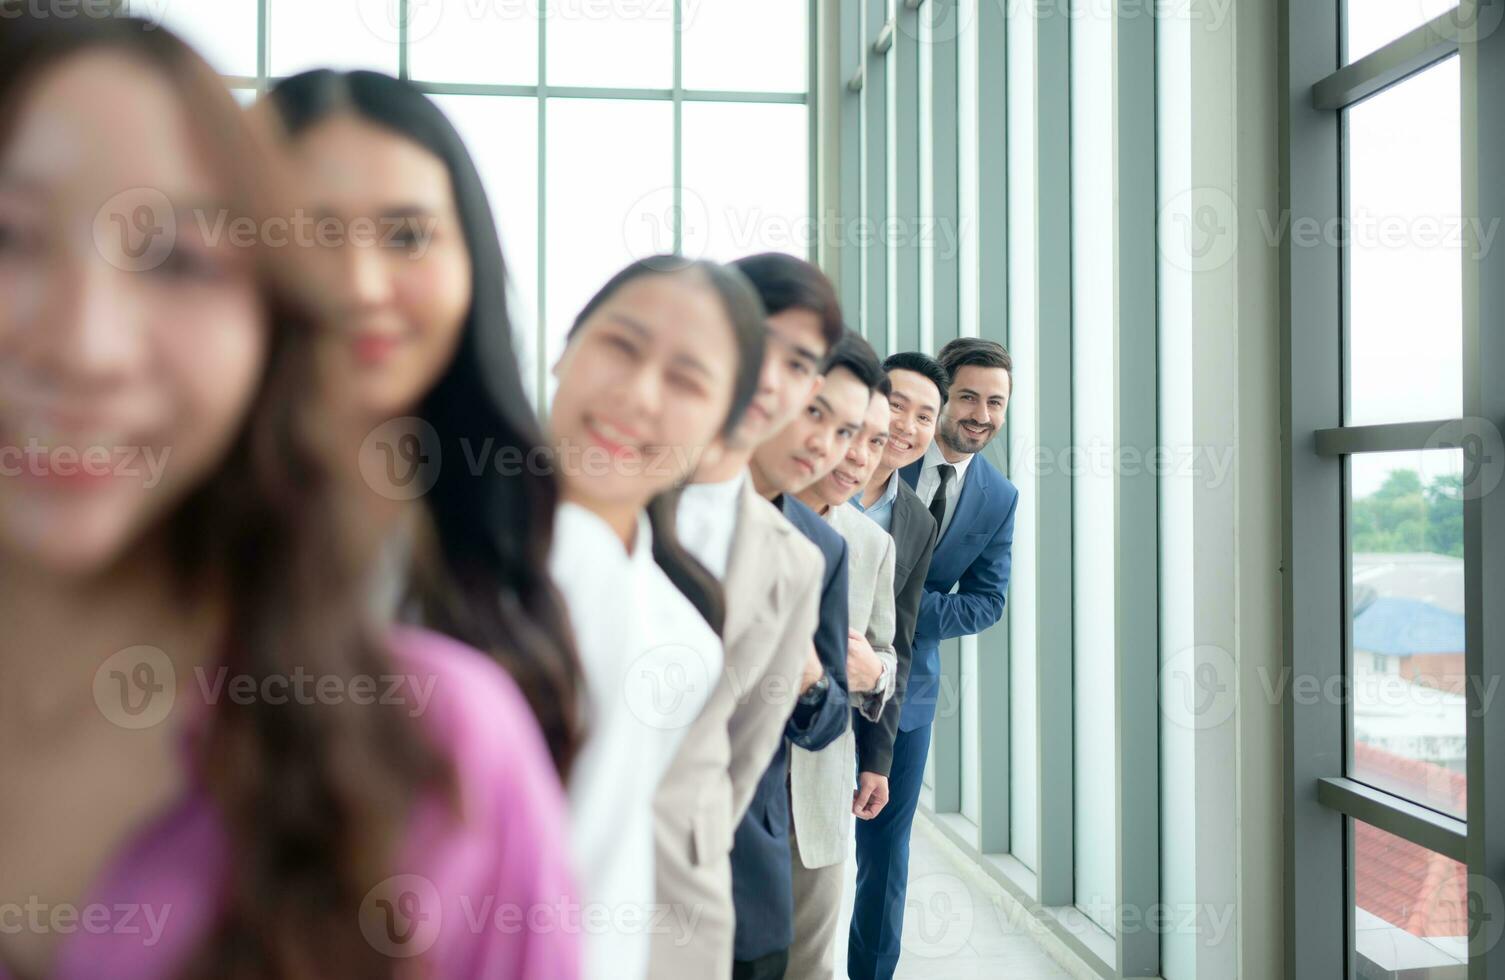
632 699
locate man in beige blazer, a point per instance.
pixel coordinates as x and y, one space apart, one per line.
772 576
821 784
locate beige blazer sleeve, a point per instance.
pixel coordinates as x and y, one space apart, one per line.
880 635
765 703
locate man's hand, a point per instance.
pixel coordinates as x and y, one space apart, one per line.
813 671
864 669
870 796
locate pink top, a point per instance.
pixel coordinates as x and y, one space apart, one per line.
481 891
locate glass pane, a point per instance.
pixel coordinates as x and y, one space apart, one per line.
746 45
627 45
474 43
746 172
343 34
1405 526
1093 489
598 195
1411 908
1372 24
223 31
1405 235
502 135
1023 416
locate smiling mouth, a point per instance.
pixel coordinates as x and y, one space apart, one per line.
843 481
616 441
901 445
804 464
977 430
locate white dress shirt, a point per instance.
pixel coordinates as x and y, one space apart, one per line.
650 663
707 521
930 478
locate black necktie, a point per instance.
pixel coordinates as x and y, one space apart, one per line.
938 502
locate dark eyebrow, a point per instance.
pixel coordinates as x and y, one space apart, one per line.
409 211
924 406
638 327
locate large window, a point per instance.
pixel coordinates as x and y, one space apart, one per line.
604 130
1395 339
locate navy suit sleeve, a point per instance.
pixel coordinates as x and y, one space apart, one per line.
813 727
978 600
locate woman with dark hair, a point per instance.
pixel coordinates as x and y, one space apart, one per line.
213 766
657 369
425 352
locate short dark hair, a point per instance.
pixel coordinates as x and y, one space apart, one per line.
856 355
975 352
922 364
784 282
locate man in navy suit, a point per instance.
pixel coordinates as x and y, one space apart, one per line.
973 506
799 454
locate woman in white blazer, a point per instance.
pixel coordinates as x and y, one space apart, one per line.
658 366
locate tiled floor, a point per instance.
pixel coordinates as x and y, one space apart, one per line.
956 927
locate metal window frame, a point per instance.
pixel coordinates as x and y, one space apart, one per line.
945 304
543 92
873 322
1136 493
1321 801
1055 734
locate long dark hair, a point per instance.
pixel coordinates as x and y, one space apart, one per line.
490 586
313 800
749 332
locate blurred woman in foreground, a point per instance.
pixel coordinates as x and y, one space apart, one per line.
201 730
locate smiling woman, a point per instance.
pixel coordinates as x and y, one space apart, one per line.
659 367
277 837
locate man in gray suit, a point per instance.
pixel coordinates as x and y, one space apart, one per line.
821 790
918 389
772 575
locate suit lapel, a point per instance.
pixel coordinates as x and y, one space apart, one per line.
911 473
973 498
743 608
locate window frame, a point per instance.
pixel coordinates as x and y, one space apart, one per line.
542 92
1321 801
